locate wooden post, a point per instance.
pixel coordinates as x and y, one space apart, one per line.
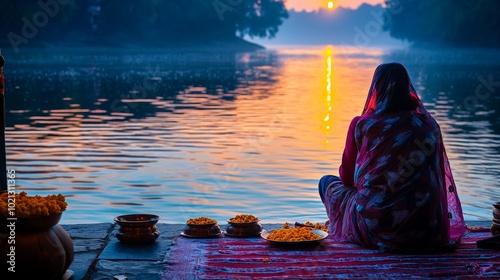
3 159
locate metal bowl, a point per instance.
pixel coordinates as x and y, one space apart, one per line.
243 229
137 228
202 230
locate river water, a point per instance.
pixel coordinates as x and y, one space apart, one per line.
212 134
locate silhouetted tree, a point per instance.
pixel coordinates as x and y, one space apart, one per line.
151 21
446 22
193 20
260 18
21 21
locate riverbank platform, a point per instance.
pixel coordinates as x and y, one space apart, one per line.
100 255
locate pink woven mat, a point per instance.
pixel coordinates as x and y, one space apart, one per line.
255 258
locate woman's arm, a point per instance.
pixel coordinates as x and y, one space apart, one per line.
348 165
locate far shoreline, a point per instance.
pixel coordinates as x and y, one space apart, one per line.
228 45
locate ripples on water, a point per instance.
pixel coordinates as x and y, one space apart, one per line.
184 135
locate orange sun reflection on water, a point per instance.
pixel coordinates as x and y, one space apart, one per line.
319 91
346 82
328 89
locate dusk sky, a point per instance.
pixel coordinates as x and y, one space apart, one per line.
310 5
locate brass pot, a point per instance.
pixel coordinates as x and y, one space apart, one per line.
243 229
137 228
42 248
202 230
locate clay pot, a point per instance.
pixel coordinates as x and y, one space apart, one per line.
42 248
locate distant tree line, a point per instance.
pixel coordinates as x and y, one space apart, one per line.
160 21
445 22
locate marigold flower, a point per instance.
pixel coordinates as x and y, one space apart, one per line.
31 206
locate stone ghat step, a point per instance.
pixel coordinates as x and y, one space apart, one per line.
99 255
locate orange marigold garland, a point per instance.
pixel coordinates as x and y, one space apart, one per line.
33 206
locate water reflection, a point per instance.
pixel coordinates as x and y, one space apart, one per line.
182 135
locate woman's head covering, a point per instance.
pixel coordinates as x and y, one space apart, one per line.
391 91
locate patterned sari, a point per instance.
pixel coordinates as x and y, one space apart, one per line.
396 191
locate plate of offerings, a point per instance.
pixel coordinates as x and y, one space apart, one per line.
298 235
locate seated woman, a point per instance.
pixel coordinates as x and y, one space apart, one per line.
396 191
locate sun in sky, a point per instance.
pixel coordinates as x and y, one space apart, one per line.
332 5
314 5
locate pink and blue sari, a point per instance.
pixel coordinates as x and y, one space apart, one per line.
396 190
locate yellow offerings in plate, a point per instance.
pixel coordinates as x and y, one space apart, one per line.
317 226
293 234
201 221
244 219
31 206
